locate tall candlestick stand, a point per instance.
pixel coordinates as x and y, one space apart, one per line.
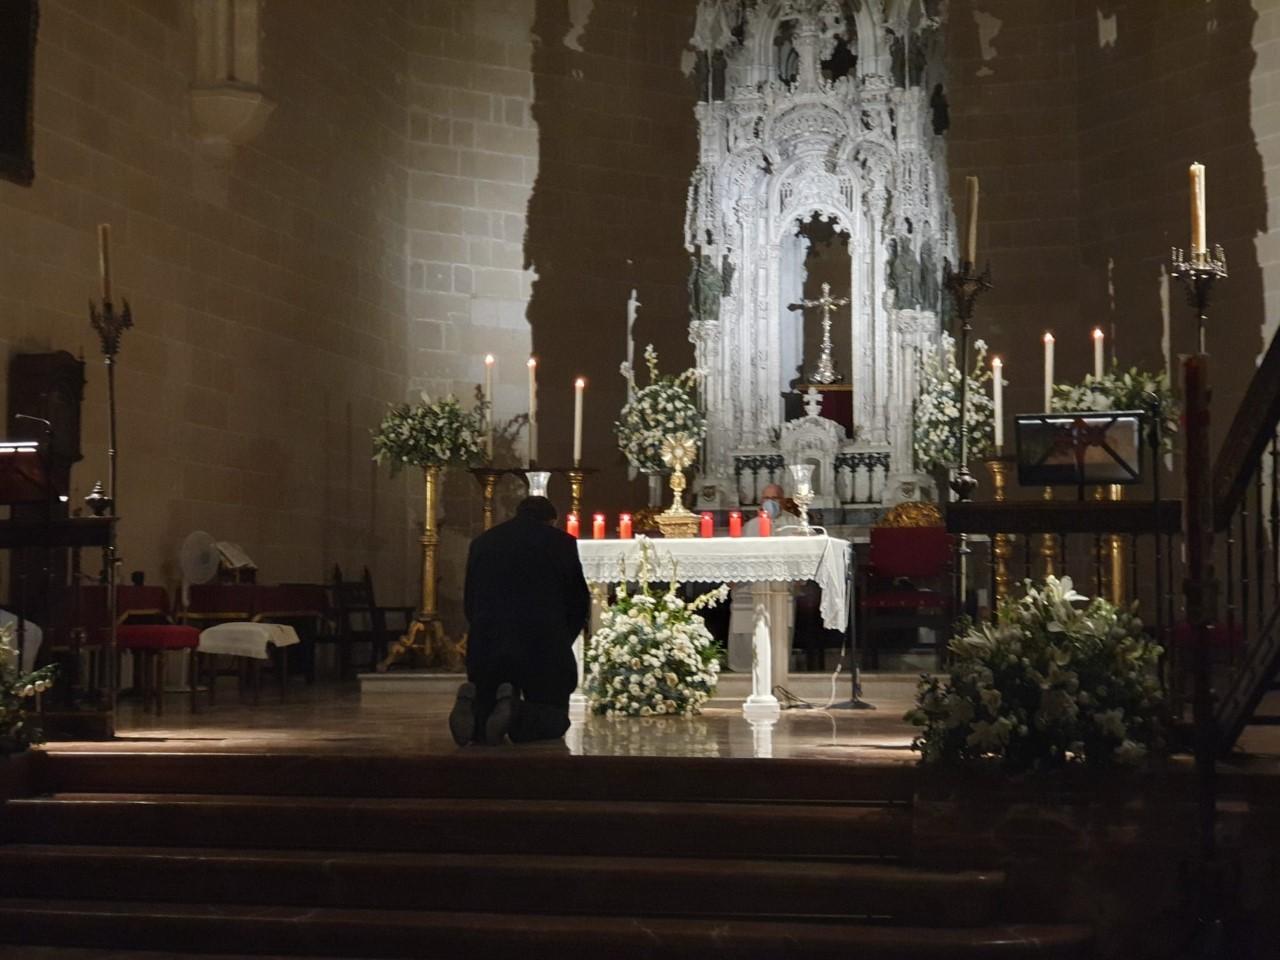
576 475
1001 544
1118 554
1198 275
110 326
426 633
1201 588
965 286
488 478
1049 544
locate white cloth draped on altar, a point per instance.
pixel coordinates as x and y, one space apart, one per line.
822 559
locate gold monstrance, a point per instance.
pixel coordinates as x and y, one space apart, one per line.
678 452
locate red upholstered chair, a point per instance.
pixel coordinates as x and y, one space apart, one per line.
906 583
145 628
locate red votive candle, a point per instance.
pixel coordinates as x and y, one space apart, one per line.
571 525
735 523
766 524
624 526
597 527
707 526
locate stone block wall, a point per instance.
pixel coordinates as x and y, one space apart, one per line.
268 286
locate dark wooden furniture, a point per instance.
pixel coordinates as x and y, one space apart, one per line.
302 606
360 621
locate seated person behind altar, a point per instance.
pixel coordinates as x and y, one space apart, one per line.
526 602
774 503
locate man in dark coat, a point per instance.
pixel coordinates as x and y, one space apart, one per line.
526 602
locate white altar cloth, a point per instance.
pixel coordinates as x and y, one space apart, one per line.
246 639
769 564
732 560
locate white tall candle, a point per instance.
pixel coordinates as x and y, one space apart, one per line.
488 404
1048 370
971 248
1198 244
997 400
1098 338
579 386
533 411
104 259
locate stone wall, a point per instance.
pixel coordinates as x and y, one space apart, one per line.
268 286
1081 120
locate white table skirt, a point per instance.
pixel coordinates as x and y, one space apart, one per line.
822 559
246 639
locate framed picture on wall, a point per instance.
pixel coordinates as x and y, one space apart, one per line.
18 21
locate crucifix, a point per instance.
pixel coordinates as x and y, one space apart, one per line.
826 369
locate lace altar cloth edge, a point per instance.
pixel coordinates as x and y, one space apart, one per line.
822 559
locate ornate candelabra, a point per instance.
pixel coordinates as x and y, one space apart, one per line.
1198 275
1001 543
965 286
109 326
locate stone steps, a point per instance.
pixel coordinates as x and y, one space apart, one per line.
308 931
527 827
497 883
486 853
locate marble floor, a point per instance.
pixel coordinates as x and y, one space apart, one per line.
335 718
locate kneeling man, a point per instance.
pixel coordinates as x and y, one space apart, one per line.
526 602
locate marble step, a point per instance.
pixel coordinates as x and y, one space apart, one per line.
500 883
302 931
622 828
477 772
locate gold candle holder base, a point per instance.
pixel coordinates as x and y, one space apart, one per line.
1049 545
678 524
1001 543
488 478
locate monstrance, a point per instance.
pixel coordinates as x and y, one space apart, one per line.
678 453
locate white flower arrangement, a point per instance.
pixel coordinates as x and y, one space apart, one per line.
1131 389
663 408
653 655
1057 679
937 407
18 730
430 433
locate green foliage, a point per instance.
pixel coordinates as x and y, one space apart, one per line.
1057 679
1131 389
430 433
18 728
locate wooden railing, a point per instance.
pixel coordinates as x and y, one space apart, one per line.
1246 520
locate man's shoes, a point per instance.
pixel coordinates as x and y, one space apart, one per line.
462 718
504 711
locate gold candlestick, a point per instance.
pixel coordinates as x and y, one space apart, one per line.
1001 543
1102 550
426 633
576 476
1049 544
1118 556
488 478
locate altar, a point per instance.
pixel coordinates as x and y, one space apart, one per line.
768 564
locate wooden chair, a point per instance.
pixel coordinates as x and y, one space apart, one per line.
360 620
302 606
906 582
212 603
145 628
